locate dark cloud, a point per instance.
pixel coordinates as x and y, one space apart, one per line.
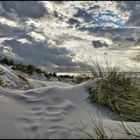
38 53
103 31
99 44
94 7
25 9
132 7
120 37
127 5
130 39
9 31
73 21
16 32
84 14
35 52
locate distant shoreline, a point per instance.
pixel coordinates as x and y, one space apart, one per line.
132 74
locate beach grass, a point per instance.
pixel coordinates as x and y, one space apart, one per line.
97 130
1 80
80 79
23 79
116 91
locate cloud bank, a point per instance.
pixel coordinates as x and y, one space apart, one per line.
64 34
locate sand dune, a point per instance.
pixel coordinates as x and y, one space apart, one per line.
50 109
54 111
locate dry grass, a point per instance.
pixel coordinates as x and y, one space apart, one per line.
96 126
131 130
97 130
23 79
115 90
80 79
1 81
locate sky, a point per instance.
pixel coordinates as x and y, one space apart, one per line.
70 35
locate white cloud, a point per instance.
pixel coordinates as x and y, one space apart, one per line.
37 36
44 32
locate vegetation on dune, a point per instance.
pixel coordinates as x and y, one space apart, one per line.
80 79
97 130
64 77
1 81
23 79
132 131
116 91
29 69
53 74
6 61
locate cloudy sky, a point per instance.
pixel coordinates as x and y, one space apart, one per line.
61 35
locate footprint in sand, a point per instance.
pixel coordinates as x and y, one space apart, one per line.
28 126
36 109
24 120
53 112
58 131
56 109
59 106
57 100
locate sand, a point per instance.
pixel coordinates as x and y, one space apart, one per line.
55 110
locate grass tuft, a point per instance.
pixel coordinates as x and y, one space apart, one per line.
23 79
116 91
97 130
80 79
1 81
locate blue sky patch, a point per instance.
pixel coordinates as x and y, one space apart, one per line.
109 17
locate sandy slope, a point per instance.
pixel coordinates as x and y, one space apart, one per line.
54 111
49 109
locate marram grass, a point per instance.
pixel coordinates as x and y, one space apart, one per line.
116 91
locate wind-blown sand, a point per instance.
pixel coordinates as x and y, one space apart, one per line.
54 111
